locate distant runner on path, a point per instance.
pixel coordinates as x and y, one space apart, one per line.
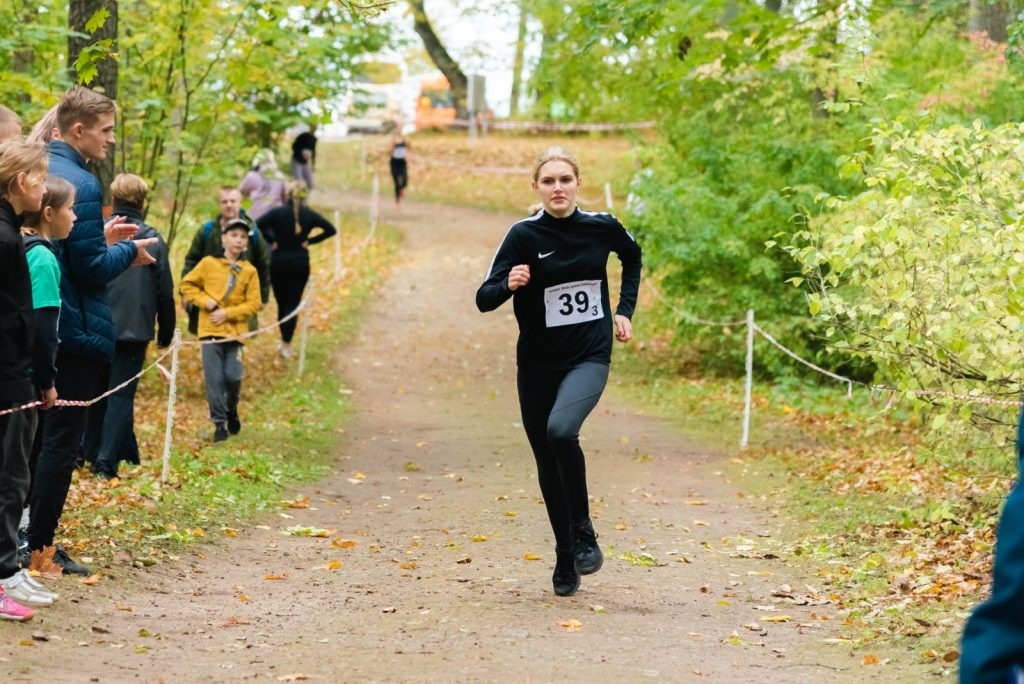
553 266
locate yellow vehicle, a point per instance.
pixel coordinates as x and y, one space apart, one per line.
434 106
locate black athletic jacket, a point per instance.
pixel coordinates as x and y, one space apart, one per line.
564 313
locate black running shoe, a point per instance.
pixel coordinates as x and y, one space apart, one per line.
67 564
585 550
220 434
566 579
234 424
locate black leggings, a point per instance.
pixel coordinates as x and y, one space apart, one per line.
288 279
399 174
554 405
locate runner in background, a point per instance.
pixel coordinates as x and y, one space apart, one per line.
553 265
399 163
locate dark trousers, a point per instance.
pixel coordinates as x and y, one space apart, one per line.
78 378
222 371
16 431
554 405
400 175
288 278
992 651
110 424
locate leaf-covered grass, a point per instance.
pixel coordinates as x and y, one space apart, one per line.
291 427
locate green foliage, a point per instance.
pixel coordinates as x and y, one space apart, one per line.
755 107
201 92
922 272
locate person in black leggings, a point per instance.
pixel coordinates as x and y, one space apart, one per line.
290 230
553 265
399 163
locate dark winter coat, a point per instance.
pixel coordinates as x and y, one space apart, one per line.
87 264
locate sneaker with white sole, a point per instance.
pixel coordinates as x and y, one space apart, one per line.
39 586
17 587
12 610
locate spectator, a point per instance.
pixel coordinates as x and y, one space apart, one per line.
53 221
304 156
290 230
992 649
22 176
207 242
225 290
137 298
86 122
264 185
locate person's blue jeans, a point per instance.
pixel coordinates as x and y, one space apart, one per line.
992 649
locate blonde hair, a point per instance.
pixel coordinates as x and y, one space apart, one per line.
43 130
296 192
58 192
129 189
20 156
82 105
555 154
8 118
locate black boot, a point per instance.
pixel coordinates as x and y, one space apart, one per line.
565 578
585 550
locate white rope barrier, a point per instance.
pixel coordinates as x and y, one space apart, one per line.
753 328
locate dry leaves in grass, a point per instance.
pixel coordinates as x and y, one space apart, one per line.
41 563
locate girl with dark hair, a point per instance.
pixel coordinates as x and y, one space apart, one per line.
290 230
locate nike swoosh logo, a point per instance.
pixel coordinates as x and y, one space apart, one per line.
544 256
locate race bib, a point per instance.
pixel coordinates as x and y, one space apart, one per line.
572 303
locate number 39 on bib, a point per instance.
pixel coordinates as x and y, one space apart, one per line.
571 303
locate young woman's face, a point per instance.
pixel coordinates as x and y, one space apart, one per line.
62 219
556 185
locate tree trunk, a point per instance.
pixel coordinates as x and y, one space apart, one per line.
442 60
517 62
992 18
105 81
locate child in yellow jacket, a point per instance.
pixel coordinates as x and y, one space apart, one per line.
226 290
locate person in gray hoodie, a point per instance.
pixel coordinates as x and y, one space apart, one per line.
138 298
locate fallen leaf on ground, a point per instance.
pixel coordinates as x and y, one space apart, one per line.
340 543
333 565
292 677
302 531
776 618
283 575
530 556
571 625
300 502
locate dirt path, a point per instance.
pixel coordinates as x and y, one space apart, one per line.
434 459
